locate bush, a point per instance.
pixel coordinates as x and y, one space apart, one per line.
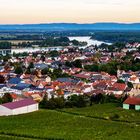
53 103
114 117
7 98
76 101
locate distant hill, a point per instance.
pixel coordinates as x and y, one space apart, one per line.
70 26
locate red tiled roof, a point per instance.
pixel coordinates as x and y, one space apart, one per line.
119 86
133 78
14 96
132 101
82 76
3 73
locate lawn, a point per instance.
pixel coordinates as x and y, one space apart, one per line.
106 111
72 124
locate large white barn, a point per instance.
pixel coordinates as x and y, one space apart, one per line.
18 107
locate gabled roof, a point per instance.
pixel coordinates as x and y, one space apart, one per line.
82 76
126 75
14 96
15 80
70 80
132 101
2 85
19 104
119 86
64 79
22 86
41 66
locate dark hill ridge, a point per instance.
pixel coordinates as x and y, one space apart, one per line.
71 26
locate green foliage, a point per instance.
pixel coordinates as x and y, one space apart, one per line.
77 43
5 45
119 36
53 103
94 67
76 101
5 58
42 104
130 85
2 79
103 98
56 73
68 64
127 64
20 54
110 67
31 65
54 53
77 63
1 101
18 70
59 102
71 124
45 71
120 81
51 41
6 98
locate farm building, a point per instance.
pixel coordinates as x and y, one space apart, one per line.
132 103
18 107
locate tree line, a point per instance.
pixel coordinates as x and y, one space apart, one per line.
79 101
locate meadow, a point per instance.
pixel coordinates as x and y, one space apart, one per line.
99 122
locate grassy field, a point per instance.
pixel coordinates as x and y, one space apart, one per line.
91 123
107 111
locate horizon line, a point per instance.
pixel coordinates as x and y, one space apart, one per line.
127 23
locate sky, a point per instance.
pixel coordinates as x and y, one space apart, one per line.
74 11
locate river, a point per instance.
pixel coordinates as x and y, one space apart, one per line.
88 40
79 38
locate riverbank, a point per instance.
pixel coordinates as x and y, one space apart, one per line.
78 38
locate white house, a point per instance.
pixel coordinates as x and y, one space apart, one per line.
18 107
132 103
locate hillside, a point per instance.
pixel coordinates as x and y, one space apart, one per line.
98 122
70 26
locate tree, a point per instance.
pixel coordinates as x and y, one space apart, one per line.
2 79
120 81
43 103
31 65
59 102
54 54
52 103
68 64
77 63
7 98
18 70
76 101
130 85
75 42
63 39
5 45
45 71
94 67
1 100
43 58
